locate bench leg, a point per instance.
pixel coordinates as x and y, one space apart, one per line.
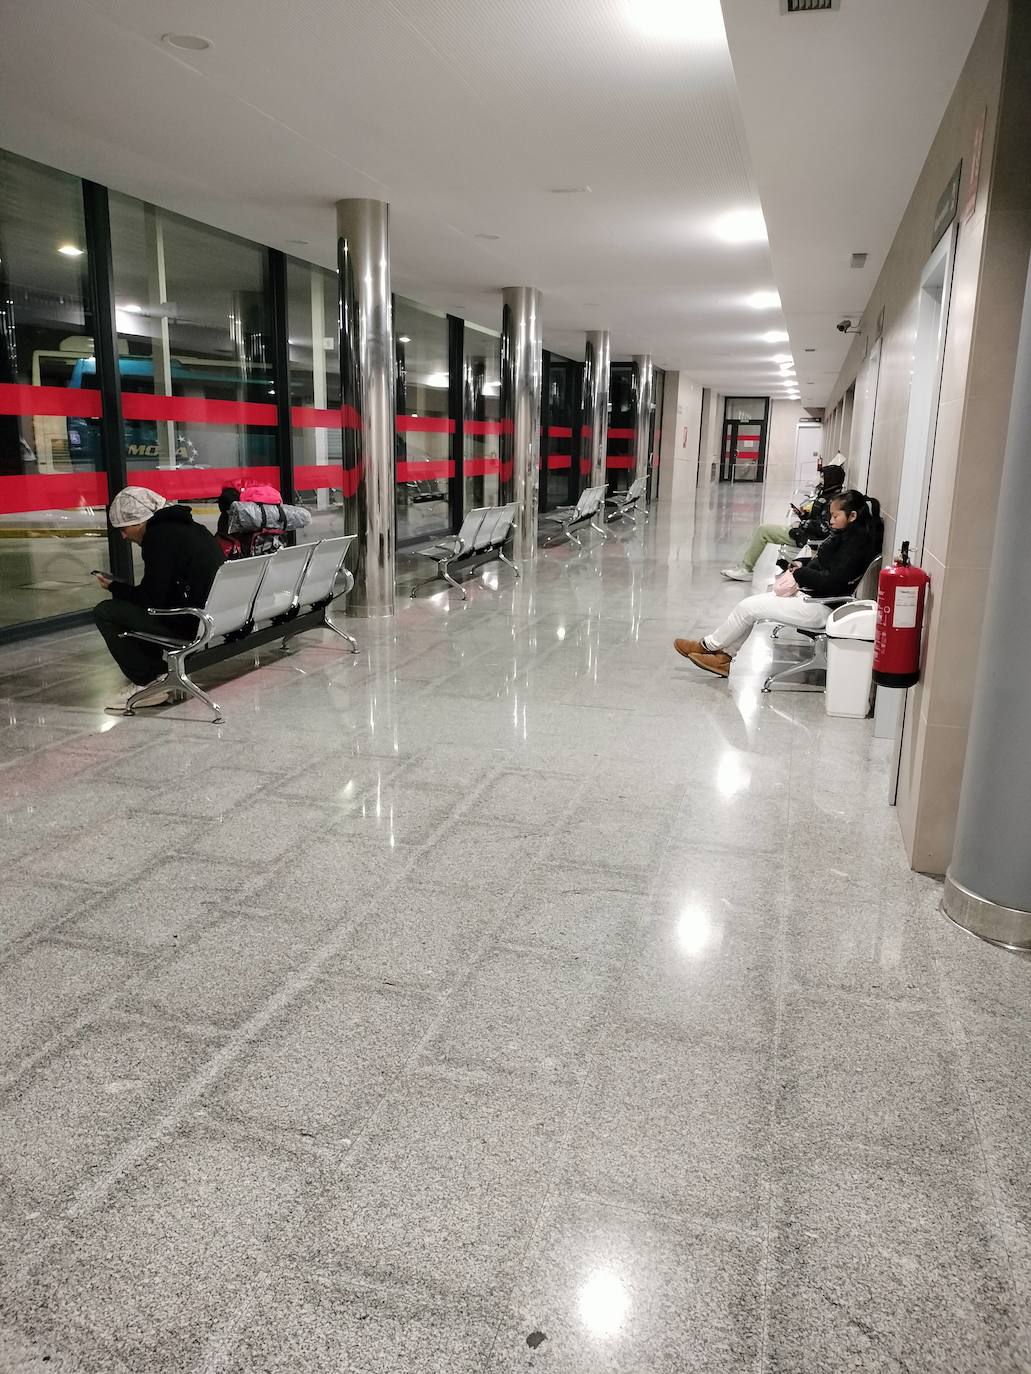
343 634
509 562
176 679
574 539
601 529
793 677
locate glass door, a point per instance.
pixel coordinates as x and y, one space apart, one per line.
743 454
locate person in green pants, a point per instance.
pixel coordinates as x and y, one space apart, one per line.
812 525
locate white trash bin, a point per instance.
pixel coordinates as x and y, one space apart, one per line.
850 635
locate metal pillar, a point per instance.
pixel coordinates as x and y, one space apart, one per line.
521 410
367 381
988 885
596 402
643 381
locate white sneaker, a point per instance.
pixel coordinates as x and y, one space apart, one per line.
117 705
737 574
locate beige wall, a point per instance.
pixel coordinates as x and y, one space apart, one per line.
712 425
990 269
780 443
681 433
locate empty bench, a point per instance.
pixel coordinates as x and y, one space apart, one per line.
622 504
567 519
482 539
252 602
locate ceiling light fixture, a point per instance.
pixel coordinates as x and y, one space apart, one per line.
186 42
764 300
775 336
69 250
782 358
404 338
701 21
741 226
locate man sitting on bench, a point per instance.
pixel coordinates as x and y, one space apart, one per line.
180 560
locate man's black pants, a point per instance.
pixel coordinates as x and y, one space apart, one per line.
139 662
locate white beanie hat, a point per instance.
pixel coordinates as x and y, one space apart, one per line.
133 506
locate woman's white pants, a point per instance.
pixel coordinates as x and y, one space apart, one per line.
784 610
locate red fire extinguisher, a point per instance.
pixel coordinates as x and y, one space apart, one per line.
900 612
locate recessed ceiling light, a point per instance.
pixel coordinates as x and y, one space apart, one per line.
700 20
741 226
781 358
70 251
764 300
404 338
569 190
187 42
775 336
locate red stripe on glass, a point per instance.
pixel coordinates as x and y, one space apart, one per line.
199 484
425 424
488 426
585 467
482 467
308 417
621 433
560 432
424 470
52 491
196 410
48 400
620 460
559 460
317 476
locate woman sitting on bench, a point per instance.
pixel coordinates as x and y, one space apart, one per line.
812 524
839 564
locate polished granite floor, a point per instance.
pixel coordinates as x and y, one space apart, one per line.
507 997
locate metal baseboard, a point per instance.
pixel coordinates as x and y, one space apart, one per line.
1000 925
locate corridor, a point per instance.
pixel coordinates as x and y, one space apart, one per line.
510 996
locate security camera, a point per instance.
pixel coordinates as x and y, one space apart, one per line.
845 327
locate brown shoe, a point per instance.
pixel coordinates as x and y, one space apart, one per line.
718 663
687 647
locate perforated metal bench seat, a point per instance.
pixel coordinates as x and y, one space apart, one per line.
482 539
252 602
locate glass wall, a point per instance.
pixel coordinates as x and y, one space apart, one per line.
317 421
425 469
481 414
52 487
193 315
619 459
560 429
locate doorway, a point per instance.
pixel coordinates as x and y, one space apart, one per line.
743 452
892 708
861 443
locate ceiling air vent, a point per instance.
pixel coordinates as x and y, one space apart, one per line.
808 6
857 260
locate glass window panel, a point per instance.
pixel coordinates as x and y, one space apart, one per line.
52 492
317 437
619 460
558 447
481 396
194 331
424 467
746 408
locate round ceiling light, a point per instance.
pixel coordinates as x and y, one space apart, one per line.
186 42
764 300
69 250
775 336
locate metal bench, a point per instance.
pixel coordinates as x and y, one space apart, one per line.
623 504
482 539
252 602
797 677
567 519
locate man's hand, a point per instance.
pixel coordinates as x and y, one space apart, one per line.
105 582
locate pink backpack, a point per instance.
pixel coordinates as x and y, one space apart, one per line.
261 493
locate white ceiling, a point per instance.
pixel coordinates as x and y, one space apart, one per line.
465 124
839 110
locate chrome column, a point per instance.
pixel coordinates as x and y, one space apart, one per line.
521 366
988 884
643 377
596 402
367 385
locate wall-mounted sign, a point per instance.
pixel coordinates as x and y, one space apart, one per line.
974 175
948 204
